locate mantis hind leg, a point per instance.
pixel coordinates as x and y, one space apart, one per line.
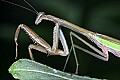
99 55
76 60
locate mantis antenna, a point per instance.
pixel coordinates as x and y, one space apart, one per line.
31 6
34 10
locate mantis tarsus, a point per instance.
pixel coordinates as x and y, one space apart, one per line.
107 44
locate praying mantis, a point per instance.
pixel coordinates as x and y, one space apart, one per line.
105 43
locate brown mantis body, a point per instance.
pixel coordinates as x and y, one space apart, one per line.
102 41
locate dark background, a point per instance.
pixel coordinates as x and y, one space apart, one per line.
102 16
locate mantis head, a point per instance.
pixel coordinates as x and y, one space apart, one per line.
39 19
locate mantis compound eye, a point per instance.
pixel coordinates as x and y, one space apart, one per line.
39 19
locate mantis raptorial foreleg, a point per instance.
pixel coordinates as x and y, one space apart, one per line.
42 45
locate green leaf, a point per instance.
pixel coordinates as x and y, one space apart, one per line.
25 69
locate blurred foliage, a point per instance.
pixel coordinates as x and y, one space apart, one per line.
102 16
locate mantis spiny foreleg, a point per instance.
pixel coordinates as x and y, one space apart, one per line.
41 44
